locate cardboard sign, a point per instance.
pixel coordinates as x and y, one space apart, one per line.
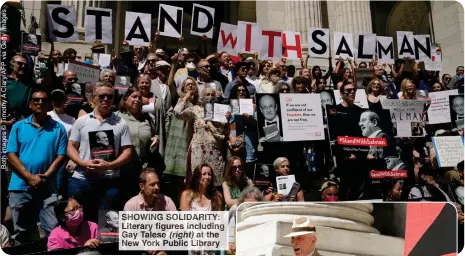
271 45
30 43
227 39
439 111
137 28
61 21
449 150
407 116
318 42
292 45
203 19
170 20
385 49
248 37
98 25
85 72
343 45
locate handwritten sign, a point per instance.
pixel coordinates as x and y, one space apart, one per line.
448 149
85 73
302 117
408 116
439 111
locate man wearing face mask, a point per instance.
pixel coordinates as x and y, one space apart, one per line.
124 65
190 70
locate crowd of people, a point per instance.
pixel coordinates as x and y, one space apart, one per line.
149 147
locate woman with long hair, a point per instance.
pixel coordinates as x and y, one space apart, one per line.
408 90
72 231
346 76
374 91
179 136
207 144
235 181
438 87
282 168
298 85
317 74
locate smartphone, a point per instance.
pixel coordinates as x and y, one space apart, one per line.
293 192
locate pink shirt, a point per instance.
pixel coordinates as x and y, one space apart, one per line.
137 203
61 239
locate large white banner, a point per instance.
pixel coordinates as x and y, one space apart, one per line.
302 117
343 45
227 39
271 45
405 44
62 23
138 28
98 25
385 49
248 37
360 98
318 42
292 45
439 110
449 150
170 20
365 47
203 19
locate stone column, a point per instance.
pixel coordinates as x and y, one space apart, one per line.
353 17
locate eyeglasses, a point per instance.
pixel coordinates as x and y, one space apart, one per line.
103 96
205 67
43 100
241 90
236 167
244 68
447 78
349 90
209 94
375 83
20 63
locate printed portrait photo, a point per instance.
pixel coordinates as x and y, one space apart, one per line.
269 121
102 145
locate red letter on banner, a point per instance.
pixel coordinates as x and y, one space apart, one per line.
271 35
248 36
297 48
228 39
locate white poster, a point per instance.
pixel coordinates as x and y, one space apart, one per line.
435 63
85 73
248 37
104 59
449 150
318 42
284 184
408 117
170 20
422 47
219 112
61 20
271 45
360 98
385 49
302 117
365 47
405 44
203 19
343 45
439 110
138 28
227 39
98 25
246 106
292 45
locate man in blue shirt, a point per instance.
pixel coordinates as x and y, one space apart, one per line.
36 149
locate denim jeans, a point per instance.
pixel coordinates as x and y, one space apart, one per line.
25 206
95 195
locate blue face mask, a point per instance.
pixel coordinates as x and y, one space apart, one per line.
87 62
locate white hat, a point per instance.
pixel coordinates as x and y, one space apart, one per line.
302 226
160 51
162 63
184 50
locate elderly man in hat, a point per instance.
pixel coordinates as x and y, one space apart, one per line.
97 47
303 237
159 86
270 83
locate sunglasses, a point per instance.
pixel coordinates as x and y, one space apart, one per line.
205 67
43 100
244 68
447 78
241 90
72 80
376 84
151 61
209 94
20 63
349 90
103 96
237 167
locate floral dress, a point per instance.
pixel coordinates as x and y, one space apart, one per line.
207 145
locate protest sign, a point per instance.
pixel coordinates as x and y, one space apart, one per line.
271 46
61 21
456 108
439 110
422 47
360 98
284 184
405 44
292 45
365 47
30 43
408 117
98 25
385 49
246 106
219 112
343 45
318 41
227 39
448 150
269 121
248 37
264 176
202 20
170 20
85 72
138 28
435 63
302 117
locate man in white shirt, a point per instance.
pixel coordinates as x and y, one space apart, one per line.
159 86
225 69
58 113
303 237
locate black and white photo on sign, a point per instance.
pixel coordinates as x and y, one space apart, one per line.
301 117
98 25
318 39
343 45
360 98
409 116
405 45
448 150
422 47
30 43
385 49
263 176
235 110
271 45
138 28
61 20
108 225
102 145
327 98
439 110
365 47
170 20
268 114
203 18
219 112
208 111
456 108
284 184
227 39
248 37
292 45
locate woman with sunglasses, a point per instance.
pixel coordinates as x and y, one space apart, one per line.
179 135
207 144
282 168
235 181
73 231
408 90
283 87
375 91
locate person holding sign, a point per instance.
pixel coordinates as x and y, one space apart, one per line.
348 91
207 144
270 82
241 69
282 168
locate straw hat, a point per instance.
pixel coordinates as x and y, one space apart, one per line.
271 71
302 226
